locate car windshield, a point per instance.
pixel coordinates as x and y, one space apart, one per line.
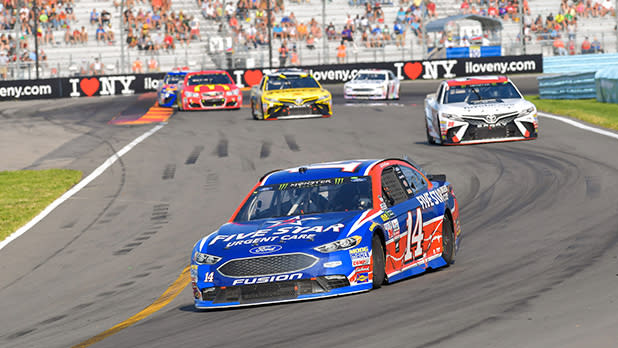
481 92
307 197
172 79
209 79
370 76
292 81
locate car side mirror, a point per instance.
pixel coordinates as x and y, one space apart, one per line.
436 177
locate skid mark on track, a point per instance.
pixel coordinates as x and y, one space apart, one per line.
289 139
194 155
221 149
265 149
177 286
169 172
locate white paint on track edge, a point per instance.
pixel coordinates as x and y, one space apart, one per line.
580 125
108 162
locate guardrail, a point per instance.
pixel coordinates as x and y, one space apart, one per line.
568 86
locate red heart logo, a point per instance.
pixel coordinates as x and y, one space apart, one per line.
89 86
253 77
413 70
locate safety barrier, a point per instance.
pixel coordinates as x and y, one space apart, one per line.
579 63
607 85
568 86
81 86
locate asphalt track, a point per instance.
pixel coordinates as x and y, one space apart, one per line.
537 268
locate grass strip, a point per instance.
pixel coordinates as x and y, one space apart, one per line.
588 110
25 193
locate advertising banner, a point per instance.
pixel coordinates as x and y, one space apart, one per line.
87 86
410 70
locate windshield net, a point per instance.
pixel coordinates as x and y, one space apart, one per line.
209 79
172 79
307 197
370 76
480 92
292 81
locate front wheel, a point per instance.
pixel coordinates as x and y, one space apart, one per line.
448 241
377 258
253 112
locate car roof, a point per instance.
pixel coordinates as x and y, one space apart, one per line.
327 170
288 72
177 73
385 71
201 72
476 80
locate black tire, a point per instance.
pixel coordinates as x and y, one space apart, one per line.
448 241
253 113
430 139
377 257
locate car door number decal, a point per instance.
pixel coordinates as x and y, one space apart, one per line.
415 235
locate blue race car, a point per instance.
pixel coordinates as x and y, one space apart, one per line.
166 95
327 229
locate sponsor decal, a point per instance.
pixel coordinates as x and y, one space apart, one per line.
265 249
360 256
362 269
24 92
434 197
362 277
261 280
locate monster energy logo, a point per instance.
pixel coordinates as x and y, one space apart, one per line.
283 186
338 181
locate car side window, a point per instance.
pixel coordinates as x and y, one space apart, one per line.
262 83
416 180
391 76
393 189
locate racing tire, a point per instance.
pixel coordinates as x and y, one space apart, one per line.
377 258
448 241
261 114
430 139
253 112
180 108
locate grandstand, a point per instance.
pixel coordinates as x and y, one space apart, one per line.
221 45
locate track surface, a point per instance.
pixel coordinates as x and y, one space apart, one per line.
537 268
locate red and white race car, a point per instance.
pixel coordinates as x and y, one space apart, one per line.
208 90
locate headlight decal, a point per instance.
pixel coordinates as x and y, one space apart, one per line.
205 259
338 245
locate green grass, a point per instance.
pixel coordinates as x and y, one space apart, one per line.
588 110
25 193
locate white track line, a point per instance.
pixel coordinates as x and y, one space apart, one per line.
580 125
108 162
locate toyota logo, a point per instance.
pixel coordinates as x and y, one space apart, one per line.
299 101
265 249
491 118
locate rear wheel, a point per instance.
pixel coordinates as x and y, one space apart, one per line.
253 112
448 241
377 257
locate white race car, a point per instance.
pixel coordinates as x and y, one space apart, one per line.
372 84
479 109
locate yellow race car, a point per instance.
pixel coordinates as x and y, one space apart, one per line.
289 94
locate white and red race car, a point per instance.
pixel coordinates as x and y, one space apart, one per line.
479 109
372 84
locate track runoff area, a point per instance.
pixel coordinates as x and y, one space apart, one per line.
499 213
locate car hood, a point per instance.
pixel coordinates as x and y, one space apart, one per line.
288 234
503 106
294 93
210 88
357 83
168 87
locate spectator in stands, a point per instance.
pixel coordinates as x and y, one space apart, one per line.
153 64
559 47
310 41
341 53
607 6
68 9
77 37
48 38
431 9
331 34
399 32
596 46
283 54
586 46
105 17
97 67
137 67
100 34
195 29
68 37
346 34
131 39
302 31
4 63
84 35
169 42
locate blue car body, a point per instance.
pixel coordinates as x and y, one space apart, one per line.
168 90
300 254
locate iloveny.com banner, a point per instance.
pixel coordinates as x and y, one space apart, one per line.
411 70
29 89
